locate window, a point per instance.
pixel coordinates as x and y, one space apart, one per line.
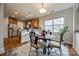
54 24
48 25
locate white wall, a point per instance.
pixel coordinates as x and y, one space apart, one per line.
76 24
68 21
6 27
77 21
1 29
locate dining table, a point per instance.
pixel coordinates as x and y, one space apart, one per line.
44 41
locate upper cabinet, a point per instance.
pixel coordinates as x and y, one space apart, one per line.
12 20
12 27
34 23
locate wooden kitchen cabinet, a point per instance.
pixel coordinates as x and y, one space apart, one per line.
12 20
34 23
12 25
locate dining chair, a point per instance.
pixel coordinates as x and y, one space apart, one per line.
55 44
34 43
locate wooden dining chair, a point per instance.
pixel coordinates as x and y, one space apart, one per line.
34 43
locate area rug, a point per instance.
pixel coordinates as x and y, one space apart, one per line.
24 50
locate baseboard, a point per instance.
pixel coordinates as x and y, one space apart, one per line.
2 51
65 42
68 43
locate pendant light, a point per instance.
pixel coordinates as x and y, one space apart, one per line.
42 10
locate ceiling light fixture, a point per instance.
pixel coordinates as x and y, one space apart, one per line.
29 14
42 10
22 18
16 12
13 16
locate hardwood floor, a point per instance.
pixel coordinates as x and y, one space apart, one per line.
71 50
10 43
8 47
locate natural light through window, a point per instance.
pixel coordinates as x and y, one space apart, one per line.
54 24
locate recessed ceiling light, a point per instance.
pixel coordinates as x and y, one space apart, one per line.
27 16
22 18
16 12
13 16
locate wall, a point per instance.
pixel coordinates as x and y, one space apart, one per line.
76 24
77 21
6 27
1 29
68 21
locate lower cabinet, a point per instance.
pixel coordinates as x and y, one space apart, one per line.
25 36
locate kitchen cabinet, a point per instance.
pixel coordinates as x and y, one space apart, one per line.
12 27
34 23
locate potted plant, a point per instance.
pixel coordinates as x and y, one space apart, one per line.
63 31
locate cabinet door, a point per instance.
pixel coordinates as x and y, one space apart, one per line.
32 23
35 23
12 21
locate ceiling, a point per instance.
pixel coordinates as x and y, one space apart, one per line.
23 9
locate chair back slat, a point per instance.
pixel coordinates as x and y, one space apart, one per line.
33 38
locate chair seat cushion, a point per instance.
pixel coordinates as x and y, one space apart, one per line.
53 44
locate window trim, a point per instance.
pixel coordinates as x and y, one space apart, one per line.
55 24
